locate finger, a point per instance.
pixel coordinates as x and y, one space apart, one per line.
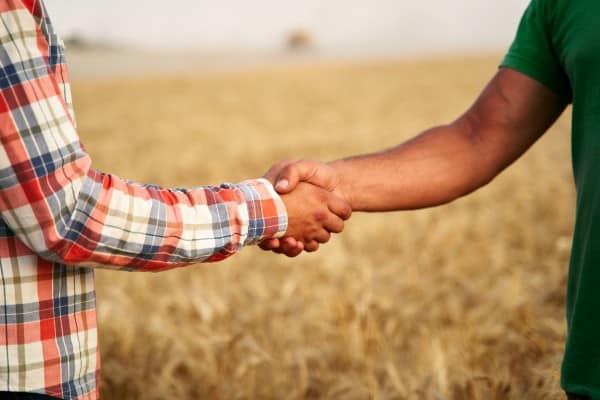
289 242
317 173
269 244
339 206
311 246
334 224
287 245
322 236
295 252
273 172
292 248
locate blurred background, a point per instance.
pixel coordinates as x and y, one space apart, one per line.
233 32
460 302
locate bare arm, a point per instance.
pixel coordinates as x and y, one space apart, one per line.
446 162
440 164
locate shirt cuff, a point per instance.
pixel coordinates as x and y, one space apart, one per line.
267 216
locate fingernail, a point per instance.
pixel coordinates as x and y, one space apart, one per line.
282 184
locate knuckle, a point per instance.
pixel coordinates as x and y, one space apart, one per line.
320 215
311 246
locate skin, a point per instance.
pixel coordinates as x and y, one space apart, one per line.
313 214
439 165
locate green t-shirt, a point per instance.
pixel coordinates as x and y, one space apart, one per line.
558 44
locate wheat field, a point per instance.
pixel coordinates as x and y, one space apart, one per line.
461 302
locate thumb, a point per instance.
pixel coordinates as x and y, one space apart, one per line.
273 172
314 172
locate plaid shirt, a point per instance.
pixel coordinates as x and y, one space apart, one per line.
60 218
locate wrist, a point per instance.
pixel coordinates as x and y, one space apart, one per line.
345 184
272 220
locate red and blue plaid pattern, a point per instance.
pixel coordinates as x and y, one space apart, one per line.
60 217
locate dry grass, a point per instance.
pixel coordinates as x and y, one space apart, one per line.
460 302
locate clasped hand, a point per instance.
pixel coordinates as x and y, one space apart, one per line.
315 205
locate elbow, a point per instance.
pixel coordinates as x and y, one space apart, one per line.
482 163
55 228
459 191
473 174
56 249
470 186
58 240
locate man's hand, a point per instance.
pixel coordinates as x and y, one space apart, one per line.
286 174
305 215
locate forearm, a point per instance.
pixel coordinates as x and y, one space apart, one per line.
434 168
447 162
86 218
115 223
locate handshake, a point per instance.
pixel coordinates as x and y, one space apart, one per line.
315 204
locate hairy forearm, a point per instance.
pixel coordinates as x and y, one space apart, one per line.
434 168
447 162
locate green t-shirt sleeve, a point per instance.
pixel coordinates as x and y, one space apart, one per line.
533 53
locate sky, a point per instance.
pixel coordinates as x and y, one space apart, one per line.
398 26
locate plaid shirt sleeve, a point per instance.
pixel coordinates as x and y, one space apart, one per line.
67 212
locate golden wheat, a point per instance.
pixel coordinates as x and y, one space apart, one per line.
460 302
